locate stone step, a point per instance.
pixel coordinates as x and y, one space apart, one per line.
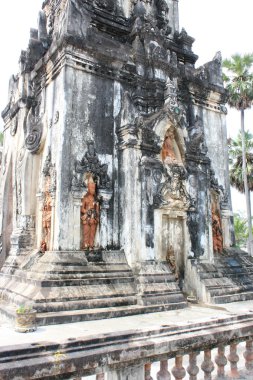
97 303
151 299
108 312
71 316
230 278
157 278
235 297
101 285
100 278
84 281
160 288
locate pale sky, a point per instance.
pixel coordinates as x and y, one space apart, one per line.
216 25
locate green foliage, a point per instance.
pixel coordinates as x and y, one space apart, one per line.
241 230
235 161
238 80
22 309
1 138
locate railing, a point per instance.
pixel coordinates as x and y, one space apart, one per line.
213 350
232 362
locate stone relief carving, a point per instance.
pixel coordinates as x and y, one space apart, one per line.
217 231
171 94
46 219
155 182
89 216
49 174
33 128
50 171
161 189
170 152
196 144
90 163
47 164
175 188
171 260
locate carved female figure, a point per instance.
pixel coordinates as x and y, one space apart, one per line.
46 221
90 216
167 149
217 232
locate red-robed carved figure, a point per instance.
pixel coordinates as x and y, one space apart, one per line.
217 233
90 216
46 221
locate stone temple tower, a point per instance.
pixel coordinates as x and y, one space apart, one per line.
114 178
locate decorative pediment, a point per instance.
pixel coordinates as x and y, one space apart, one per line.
90 163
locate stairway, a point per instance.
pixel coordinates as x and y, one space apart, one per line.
229 278
72 286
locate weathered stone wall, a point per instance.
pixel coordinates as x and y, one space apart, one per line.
108 92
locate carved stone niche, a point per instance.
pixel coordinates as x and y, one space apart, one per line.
217 232
90 168
172 156
48 204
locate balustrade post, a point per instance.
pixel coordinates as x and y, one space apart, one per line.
100 376
178 370
233 359
248 356
148 371
163 374
193 369
221 362
207 366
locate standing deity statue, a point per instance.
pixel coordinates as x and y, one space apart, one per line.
217 232
46 221
168 152
90 216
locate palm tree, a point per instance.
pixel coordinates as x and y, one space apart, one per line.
239 84
241 230
235 161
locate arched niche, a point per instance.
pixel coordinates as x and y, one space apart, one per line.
170 229
163 128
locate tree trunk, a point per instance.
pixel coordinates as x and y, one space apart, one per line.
246 188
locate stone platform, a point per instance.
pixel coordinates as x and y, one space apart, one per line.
76 286
228 279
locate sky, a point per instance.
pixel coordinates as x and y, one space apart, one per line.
216 25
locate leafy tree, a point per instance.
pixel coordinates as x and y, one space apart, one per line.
235 161
241 230
239 84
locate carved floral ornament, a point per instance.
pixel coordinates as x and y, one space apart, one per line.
90 163
49 172
34 128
